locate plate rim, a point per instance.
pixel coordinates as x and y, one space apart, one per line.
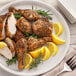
68 43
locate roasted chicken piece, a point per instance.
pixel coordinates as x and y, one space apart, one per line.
2 26
24 25
36 43
11 44
21 49
10 25
42 27
29 14
18 35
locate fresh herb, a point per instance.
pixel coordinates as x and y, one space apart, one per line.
44 13
36 62
13 60
17 16
27 34
35 36
30 35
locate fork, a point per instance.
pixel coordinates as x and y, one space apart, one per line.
69 66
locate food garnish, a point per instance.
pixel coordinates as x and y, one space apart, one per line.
28 60
58 28
2 45
46 54
53 48
35 53
11 61
36 62
57 40
30 35
44 13
17 16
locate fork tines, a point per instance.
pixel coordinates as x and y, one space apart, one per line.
72 62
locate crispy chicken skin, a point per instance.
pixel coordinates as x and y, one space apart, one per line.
10 25
42 27
2 17
24 25
36 43
21 49
18 35
11 44
29 14
2 26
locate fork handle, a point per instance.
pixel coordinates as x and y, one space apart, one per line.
61 72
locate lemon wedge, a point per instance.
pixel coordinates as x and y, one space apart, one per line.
28 60
53 48
47 54
58 28
36 53
57 40
2 45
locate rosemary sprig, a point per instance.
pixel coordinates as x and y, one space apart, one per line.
13 60
44 13
27 34
17 16
35 36
36 62
30 35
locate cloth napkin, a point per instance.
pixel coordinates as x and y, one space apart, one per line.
59 67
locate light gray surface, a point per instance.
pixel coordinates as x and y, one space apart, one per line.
4 73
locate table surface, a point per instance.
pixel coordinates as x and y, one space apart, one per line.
72 28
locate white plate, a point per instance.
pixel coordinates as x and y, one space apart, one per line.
53 61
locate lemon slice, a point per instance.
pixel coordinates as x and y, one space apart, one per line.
37 52
47 54
2 45
58 28
28 60
57 40
53 48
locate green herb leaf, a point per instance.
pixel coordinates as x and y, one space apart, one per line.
17 16
44 13
27 34
31 35
35 36
13 60
36 62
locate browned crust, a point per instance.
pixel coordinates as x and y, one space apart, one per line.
42 28
36 43
2 19
21 49
24 25
18 35
27 13
1 35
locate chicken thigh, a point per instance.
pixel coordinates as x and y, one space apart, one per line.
24 25
42 28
